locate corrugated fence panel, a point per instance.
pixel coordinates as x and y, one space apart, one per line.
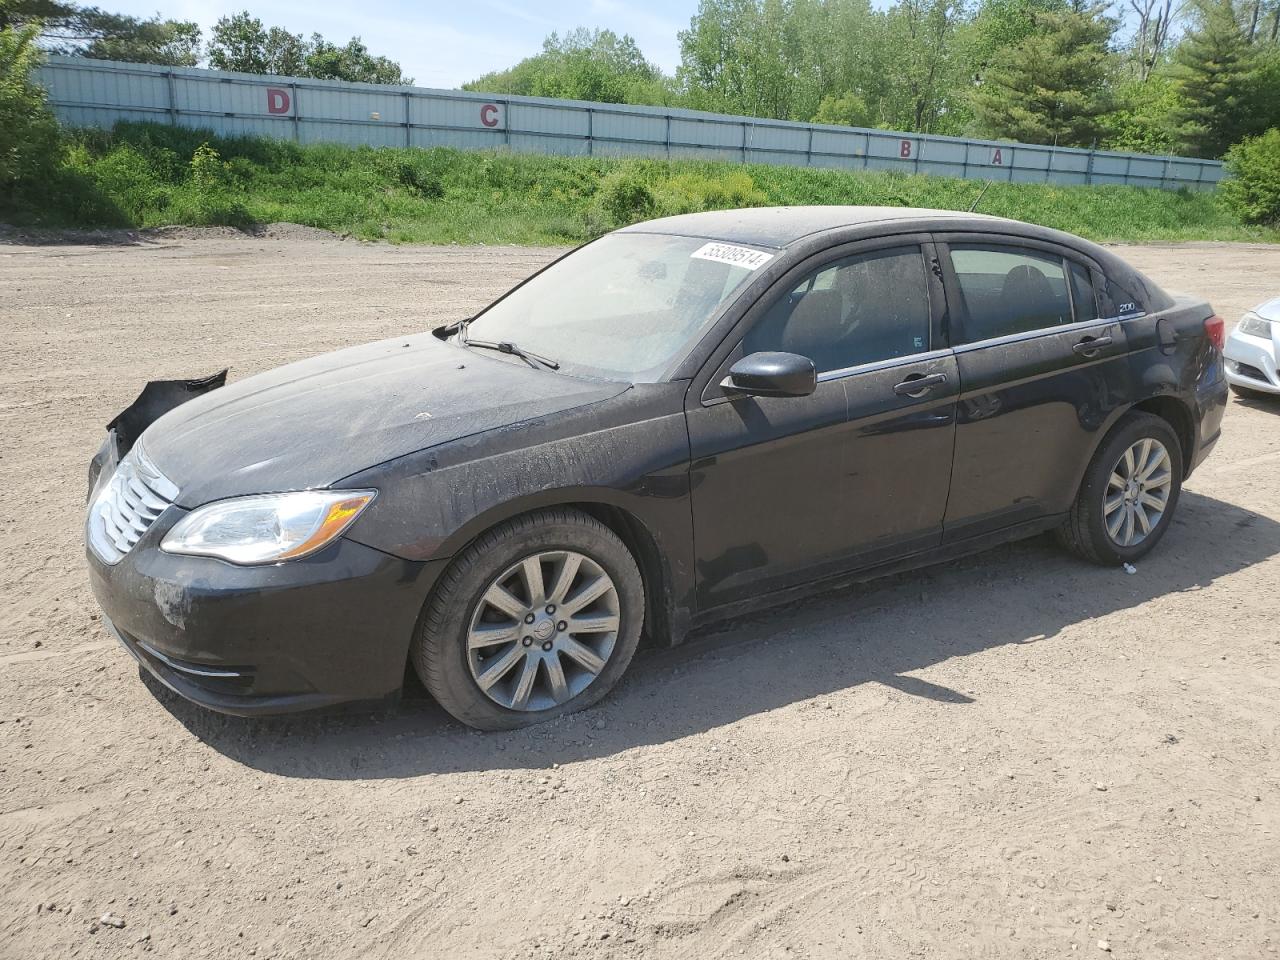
100 93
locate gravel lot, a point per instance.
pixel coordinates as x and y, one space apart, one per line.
1013 755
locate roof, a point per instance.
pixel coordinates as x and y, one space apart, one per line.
782 226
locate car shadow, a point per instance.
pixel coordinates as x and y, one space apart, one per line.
1262 401
874 633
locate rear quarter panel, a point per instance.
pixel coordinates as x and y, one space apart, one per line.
1170 355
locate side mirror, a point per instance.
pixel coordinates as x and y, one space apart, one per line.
772 375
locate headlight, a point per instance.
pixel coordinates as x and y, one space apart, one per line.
1254 326
268 528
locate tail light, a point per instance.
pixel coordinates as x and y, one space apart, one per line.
1215 328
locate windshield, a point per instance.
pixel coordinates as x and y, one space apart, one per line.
623 307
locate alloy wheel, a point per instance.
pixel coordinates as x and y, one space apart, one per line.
543 630
1138 491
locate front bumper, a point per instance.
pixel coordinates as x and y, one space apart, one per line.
331 628
1252 361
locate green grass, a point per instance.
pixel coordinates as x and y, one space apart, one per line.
145 175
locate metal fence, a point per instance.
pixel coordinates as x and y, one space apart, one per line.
99 93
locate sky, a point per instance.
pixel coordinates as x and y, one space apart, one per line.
446 44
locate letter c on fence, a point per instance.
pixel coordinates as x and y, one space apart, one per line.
489 115
904 150
277 100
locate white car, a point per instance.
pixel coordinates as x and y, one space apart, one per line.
1253 349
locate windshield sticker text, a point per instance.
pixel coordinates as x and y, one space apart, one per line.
743 257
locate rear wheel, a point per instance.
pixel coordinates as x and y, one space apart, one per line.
1129 493
537 618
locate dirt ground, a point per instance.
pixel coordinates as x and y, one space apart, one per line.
1014 755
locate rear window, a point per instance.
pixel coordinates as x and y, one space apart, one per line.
1009 290
1083 299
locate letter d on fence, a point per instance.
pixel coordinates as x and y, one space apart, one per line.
277 100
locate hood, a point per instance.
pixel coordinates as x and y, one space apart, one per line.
1269 310
309 424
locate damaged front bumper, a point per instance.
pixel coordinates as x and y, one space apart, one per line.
330 628
293 636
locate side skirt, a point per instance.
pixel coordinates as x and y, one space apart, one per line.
925 558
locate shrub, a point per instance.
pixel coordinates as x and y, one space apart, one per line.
208 170
1252 189
624 197
30 144
694 193
412 170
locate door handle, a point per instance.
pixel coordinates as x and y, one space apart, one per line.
1089 346
918 384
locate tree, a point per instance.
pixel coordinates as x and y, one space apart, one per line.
1213 71
1000 24
73 30
352 62
29 142
1139 121
242 43
926 73
745 56
170 42
1253 189
784 58
848 110
582 65
1152 32
1052 87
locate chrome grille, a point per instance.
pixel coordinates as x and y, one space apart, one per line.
127 505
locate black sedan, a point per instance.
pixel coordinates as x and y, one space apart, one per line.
680 421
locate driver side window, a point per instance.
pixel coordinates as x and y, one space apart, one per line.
861 309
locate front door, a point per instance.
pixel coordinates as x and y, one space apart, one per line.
1039 375
790 489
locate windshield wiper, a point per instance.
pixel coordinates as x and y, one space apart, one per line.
506 346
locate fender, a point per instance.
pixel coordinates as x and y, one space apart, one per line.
667 567
1188 442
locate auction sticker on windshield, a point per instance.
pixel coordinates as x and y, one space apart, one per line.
733 255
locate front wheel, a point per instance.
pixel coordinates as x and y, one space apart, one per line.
1129 493
538 618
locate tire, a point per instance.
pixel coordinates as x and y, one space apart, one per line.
1086 532
459 642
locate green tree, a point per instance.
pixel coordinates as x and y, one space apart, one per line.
1052 87
352 62
244 44
582 65
1000 24
926 72
1139 122
784 58
170 42
847 109
1252 191
744 56
30 146
74 30
1212 70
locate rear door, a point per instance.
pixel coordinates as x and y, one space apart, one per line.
789 489
1040 372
